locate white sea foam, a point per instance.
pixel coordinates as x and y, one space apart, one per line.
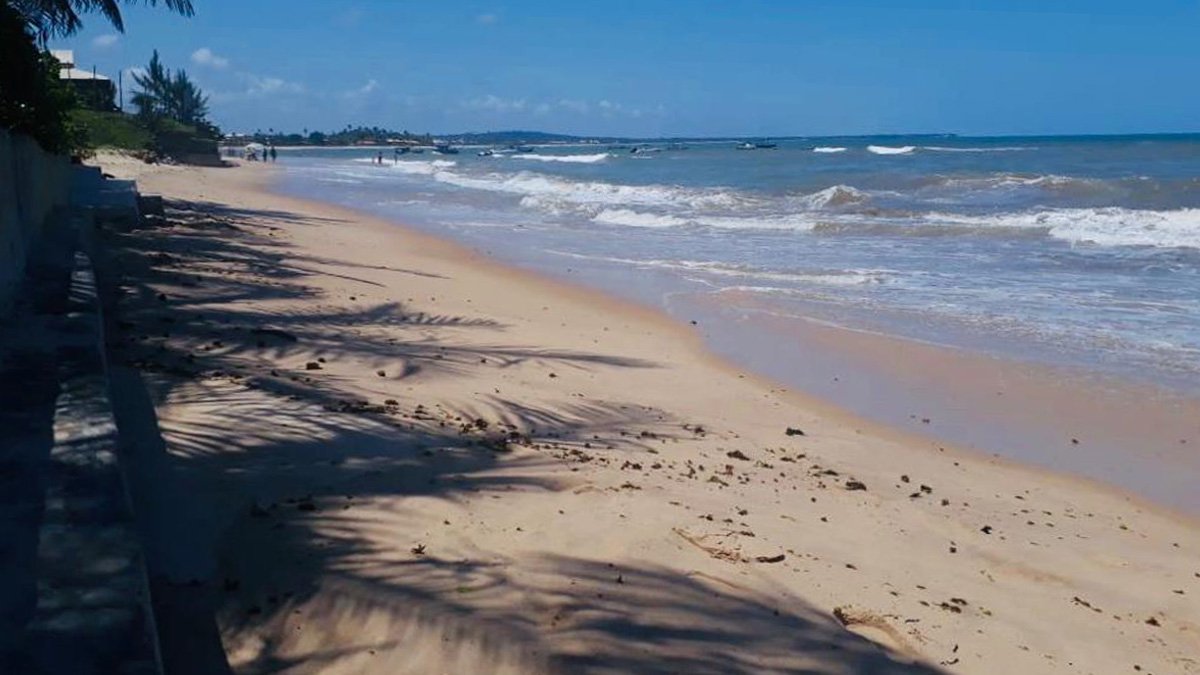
837 195
940 148
632 218
559 194
889 150
570 159
1112 226
1012 179
828 150
850 277
424 168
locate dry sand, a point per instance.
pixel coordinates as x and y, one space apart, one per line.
383 453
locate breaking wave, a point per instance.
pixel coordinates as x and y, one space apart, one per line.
836 209
889 150
940 148
424 168
570 159
830 197
631 218
1112 226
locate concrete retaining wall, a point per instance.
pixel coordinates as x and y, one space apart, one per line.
34 187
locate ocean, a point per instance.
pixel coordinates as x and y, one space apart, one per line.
1076 261
1081 250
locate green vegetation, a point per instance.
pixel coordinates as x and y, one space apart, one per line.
112 130
33 100
347 136
170 96
381 136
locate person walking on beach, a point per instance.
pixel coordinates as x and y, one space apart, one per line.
273 154
380 158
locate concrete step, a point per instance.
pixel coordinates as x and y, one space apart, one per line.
73 588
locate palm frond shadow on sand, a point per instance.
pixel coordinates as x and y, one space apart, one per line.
305 507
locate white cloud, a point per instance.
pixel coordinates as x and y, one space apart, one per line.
612 109
105 41
363 91
205 57
270 85
256 87
487 19
497 104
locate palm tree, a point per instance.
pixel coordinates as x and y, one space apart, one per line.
59 18
155 83
164 94
185 102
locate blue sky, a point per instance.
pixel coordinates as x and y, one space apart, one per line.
651 67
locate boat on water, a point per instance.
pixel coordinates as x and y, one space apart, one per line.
445 149
521 148
486 153
745 146
765 146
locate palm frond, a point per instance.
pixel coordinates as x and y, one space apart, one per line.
60 18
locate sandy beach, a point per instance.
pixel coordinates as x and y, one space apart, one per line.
366 450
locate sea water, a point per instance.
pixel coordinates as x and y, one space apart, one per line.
1068 250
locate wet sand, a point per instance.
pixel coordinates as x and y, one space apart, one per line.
1135 436
378 452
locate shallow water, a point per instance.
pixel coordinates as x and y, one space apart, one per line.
1069 251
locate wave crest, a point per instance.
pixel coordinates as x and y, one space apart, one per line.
942 148
631 218
1111 226
889 150
569 159
834 196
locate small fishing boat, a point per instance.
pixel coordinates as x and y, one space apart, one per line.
445 149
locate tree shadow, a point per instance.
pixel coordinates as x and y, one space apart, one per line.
273 511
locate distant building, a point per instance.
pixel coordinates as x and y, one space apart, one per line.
93 90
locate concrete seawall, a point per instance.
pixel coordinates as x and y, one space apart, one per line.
34 188
74 592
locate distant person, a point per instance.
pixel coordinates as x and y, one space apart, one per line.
380 158
273 153
396 156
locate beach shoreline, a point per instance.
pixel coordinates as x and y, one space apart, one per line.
1065 417
951 520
